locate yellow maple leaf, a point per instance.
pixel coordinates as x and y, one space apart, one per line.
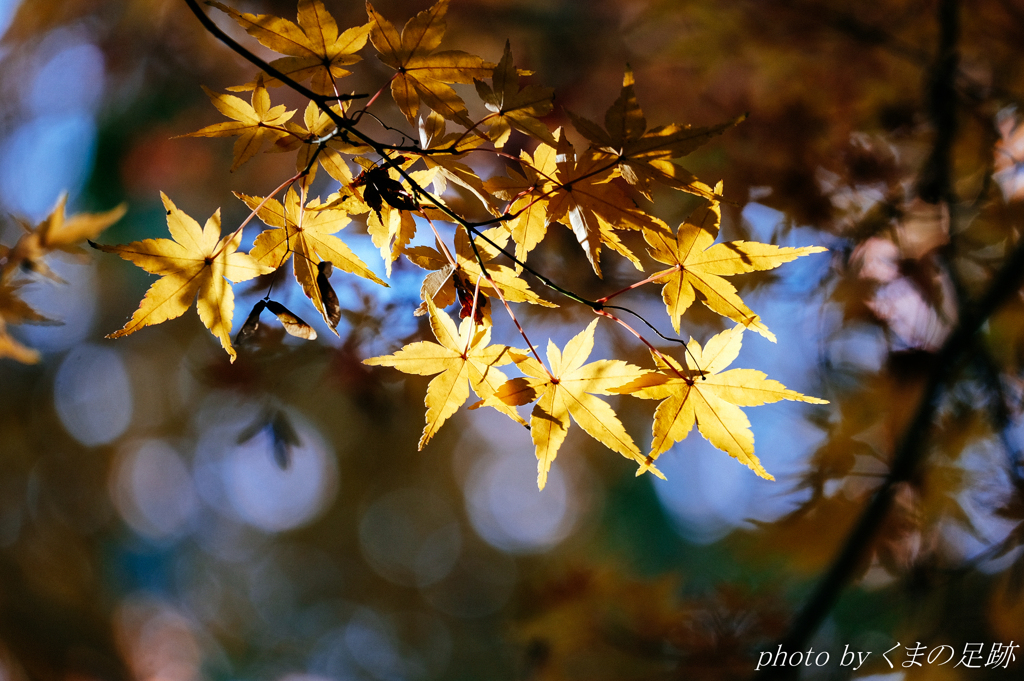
705 395
198 263
463 359
314 48
316 125
308 233
254 123
645 155
699 266
559 187
512 286
568 390
13 349
14 310
512 107
433 138
56 233
422 74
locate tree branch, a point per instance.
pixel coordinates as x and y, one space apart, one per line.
911 450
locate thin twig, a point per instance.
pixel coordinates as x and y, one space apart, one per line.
911 449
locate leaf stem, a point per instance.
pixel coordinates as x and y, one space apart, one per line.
648 280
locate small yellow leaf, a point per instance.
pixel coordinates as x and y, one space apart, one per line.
699 267
462 359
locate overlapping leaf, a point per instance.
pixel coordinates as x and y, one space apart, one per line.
699 267
421 73
255 124
314 48
197 264
556 186
568 391
645 155
700 393
308 233
388 199
55 233
512 286
433 138
463 359
512 107
317 124
14 310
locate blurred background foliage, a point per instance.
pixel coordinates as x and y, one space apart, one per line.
146 531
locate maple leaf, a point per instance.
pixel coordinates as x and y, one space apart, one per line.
316 125
314 48
559 187
568 390
383 192
699 266
422 74
197 264
433 137
15 350
709 397
309 234
56 233
512 286
462 358
14 310
645 155
254 123
512 107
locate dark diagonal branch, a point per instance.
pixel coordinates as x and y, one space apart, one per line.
935 184
909 454
346 128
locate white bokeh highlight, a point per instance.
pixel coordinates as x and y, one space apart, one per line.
93 395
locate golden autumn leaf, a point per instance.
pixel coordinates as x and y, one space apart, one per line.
559 186
422 74
386 195
705 395
56 232
433 138
512 107
645 155
254 123
13 349
197 264
14 310
314 48
699 267
307 136
568 390
308 233
513 287
462 358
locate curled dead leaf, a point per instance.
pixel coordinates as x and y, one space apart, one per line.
291 322
332 308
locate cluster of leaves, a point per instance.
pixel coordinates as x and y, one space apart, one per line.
599 193
56 233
